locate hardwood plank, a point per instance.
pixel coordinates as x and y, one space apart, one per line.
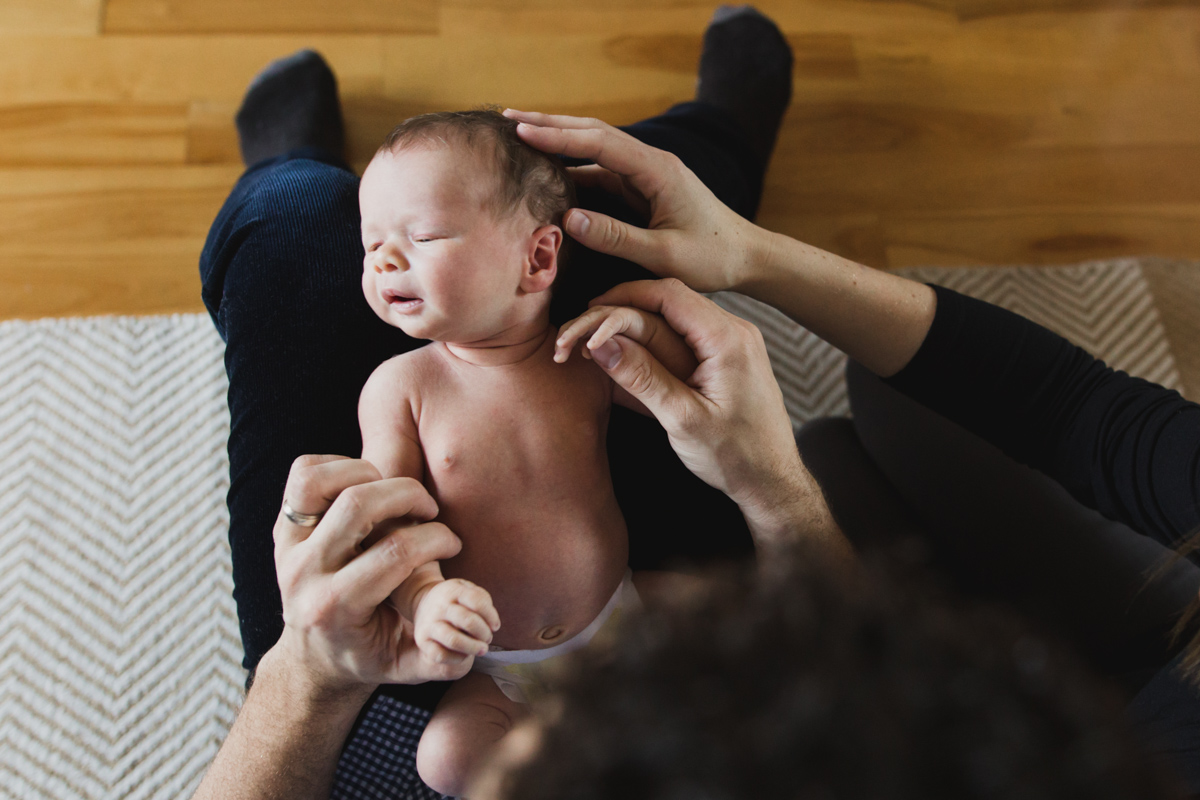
967 178
269 16
105 240
51 17
1033 235
980 9
169 69
92 133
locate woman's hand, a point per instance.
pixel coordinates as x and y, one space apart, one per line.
727 422
336 577
691 235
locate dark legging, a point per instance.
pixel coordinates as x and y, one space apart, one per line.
905 482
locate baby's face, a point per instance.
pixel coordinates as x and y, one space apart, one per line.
439 263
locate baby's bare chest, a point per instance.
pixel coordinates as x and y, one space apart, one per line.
536 427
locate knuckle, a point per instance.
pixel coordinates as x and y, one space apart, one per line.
398 549
641 378
674 285
303 484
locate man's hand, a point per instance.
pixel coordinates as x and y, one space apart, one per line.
335 577
727 422
690 234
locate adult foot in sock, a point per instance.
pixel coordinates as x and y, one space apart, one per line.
293 103
746 69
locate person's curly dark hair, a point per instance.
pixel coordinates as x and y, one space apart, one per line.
816 683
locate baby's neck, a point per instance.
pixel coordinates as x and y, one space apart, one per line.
512 347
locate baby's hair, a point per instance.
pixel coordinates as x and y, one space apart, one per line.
525 174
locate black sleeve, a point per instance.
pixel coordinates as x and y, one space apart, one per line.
1121 445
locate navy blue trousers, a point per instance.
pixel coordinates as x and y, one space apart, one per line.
281 279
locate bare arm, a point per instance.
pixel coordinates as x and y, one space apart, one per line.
287 736
878 319
452 620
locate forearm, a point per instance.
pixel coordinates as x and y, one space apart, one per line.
878 319
287 737
791 508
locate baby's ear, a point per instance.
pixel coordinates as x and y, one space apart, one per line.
541 268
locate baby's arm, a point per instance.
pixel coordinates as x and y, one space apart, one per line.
600 323
451 618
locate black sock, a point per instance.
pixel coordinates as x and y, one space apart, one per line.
746 69
293 103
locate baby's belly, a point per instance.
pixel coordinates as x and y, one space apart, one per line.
550 565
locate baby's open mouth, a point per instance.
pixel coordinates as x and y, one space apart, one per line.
397 299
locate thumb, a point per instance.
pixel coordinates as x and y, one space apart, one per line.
636 371
607 235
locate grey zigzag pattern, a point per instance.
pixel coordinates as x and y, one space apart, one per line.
1104 307
119 647
119 650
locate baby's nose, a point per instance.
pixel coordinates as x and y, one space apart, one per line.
386 265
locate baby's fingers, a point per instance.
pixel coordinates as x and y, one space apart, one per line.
477 599
455 640
625 321
576 329
469 623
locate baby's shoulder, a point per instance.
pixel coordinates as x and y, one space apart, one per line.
404 373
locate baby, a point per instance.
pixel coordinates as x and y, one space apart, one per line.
461 227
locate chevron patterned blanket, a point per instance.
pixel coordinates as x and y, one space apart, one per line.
119 651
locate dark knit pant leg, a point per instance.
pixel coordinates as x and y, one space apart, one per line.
1008 532
281 278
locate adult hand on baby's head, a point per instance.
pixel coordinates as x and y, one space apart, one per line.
336 577
727 422
691 235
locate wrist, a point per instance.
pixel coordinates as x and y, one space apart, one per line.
289 667
760 253
789 507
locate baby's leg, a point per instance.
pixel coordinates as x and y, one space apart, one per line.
471 719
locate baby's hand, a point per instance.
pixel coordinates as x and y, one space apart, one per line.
455 620
600 323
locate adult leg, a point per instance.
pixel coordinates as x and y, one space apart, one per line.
1008 532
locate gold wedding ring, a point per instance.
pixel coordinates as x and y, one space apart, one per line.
303 520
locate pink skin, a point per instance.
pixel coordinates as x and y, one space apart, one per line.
441 264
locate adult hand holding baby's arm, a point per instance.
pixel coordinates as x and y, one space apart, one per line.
340 639
600 323
727 421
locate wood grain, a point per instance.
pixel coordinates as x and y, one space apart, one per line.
105 240
53 17
270 16
927 131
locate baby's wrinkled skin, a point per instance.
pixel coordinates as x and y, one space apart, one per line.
504 429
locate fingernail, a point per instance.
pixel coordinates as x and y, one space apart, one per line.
608 354
578 223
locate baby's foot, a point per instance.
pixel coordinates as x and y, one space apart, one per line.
293 103
746 69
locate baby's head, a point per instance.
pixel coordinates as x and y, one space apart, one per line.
462 227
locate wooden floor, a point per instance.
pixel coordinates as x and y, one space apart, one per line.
924 132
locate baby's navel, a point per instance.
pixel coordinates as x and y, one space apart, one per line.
551 633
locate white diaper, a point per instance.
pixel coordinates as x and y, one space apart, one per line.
522 673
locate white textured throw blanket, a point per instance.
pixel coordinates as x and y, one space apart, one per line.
119 649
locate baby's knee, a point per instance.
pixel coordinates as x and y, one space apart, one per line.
446 758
